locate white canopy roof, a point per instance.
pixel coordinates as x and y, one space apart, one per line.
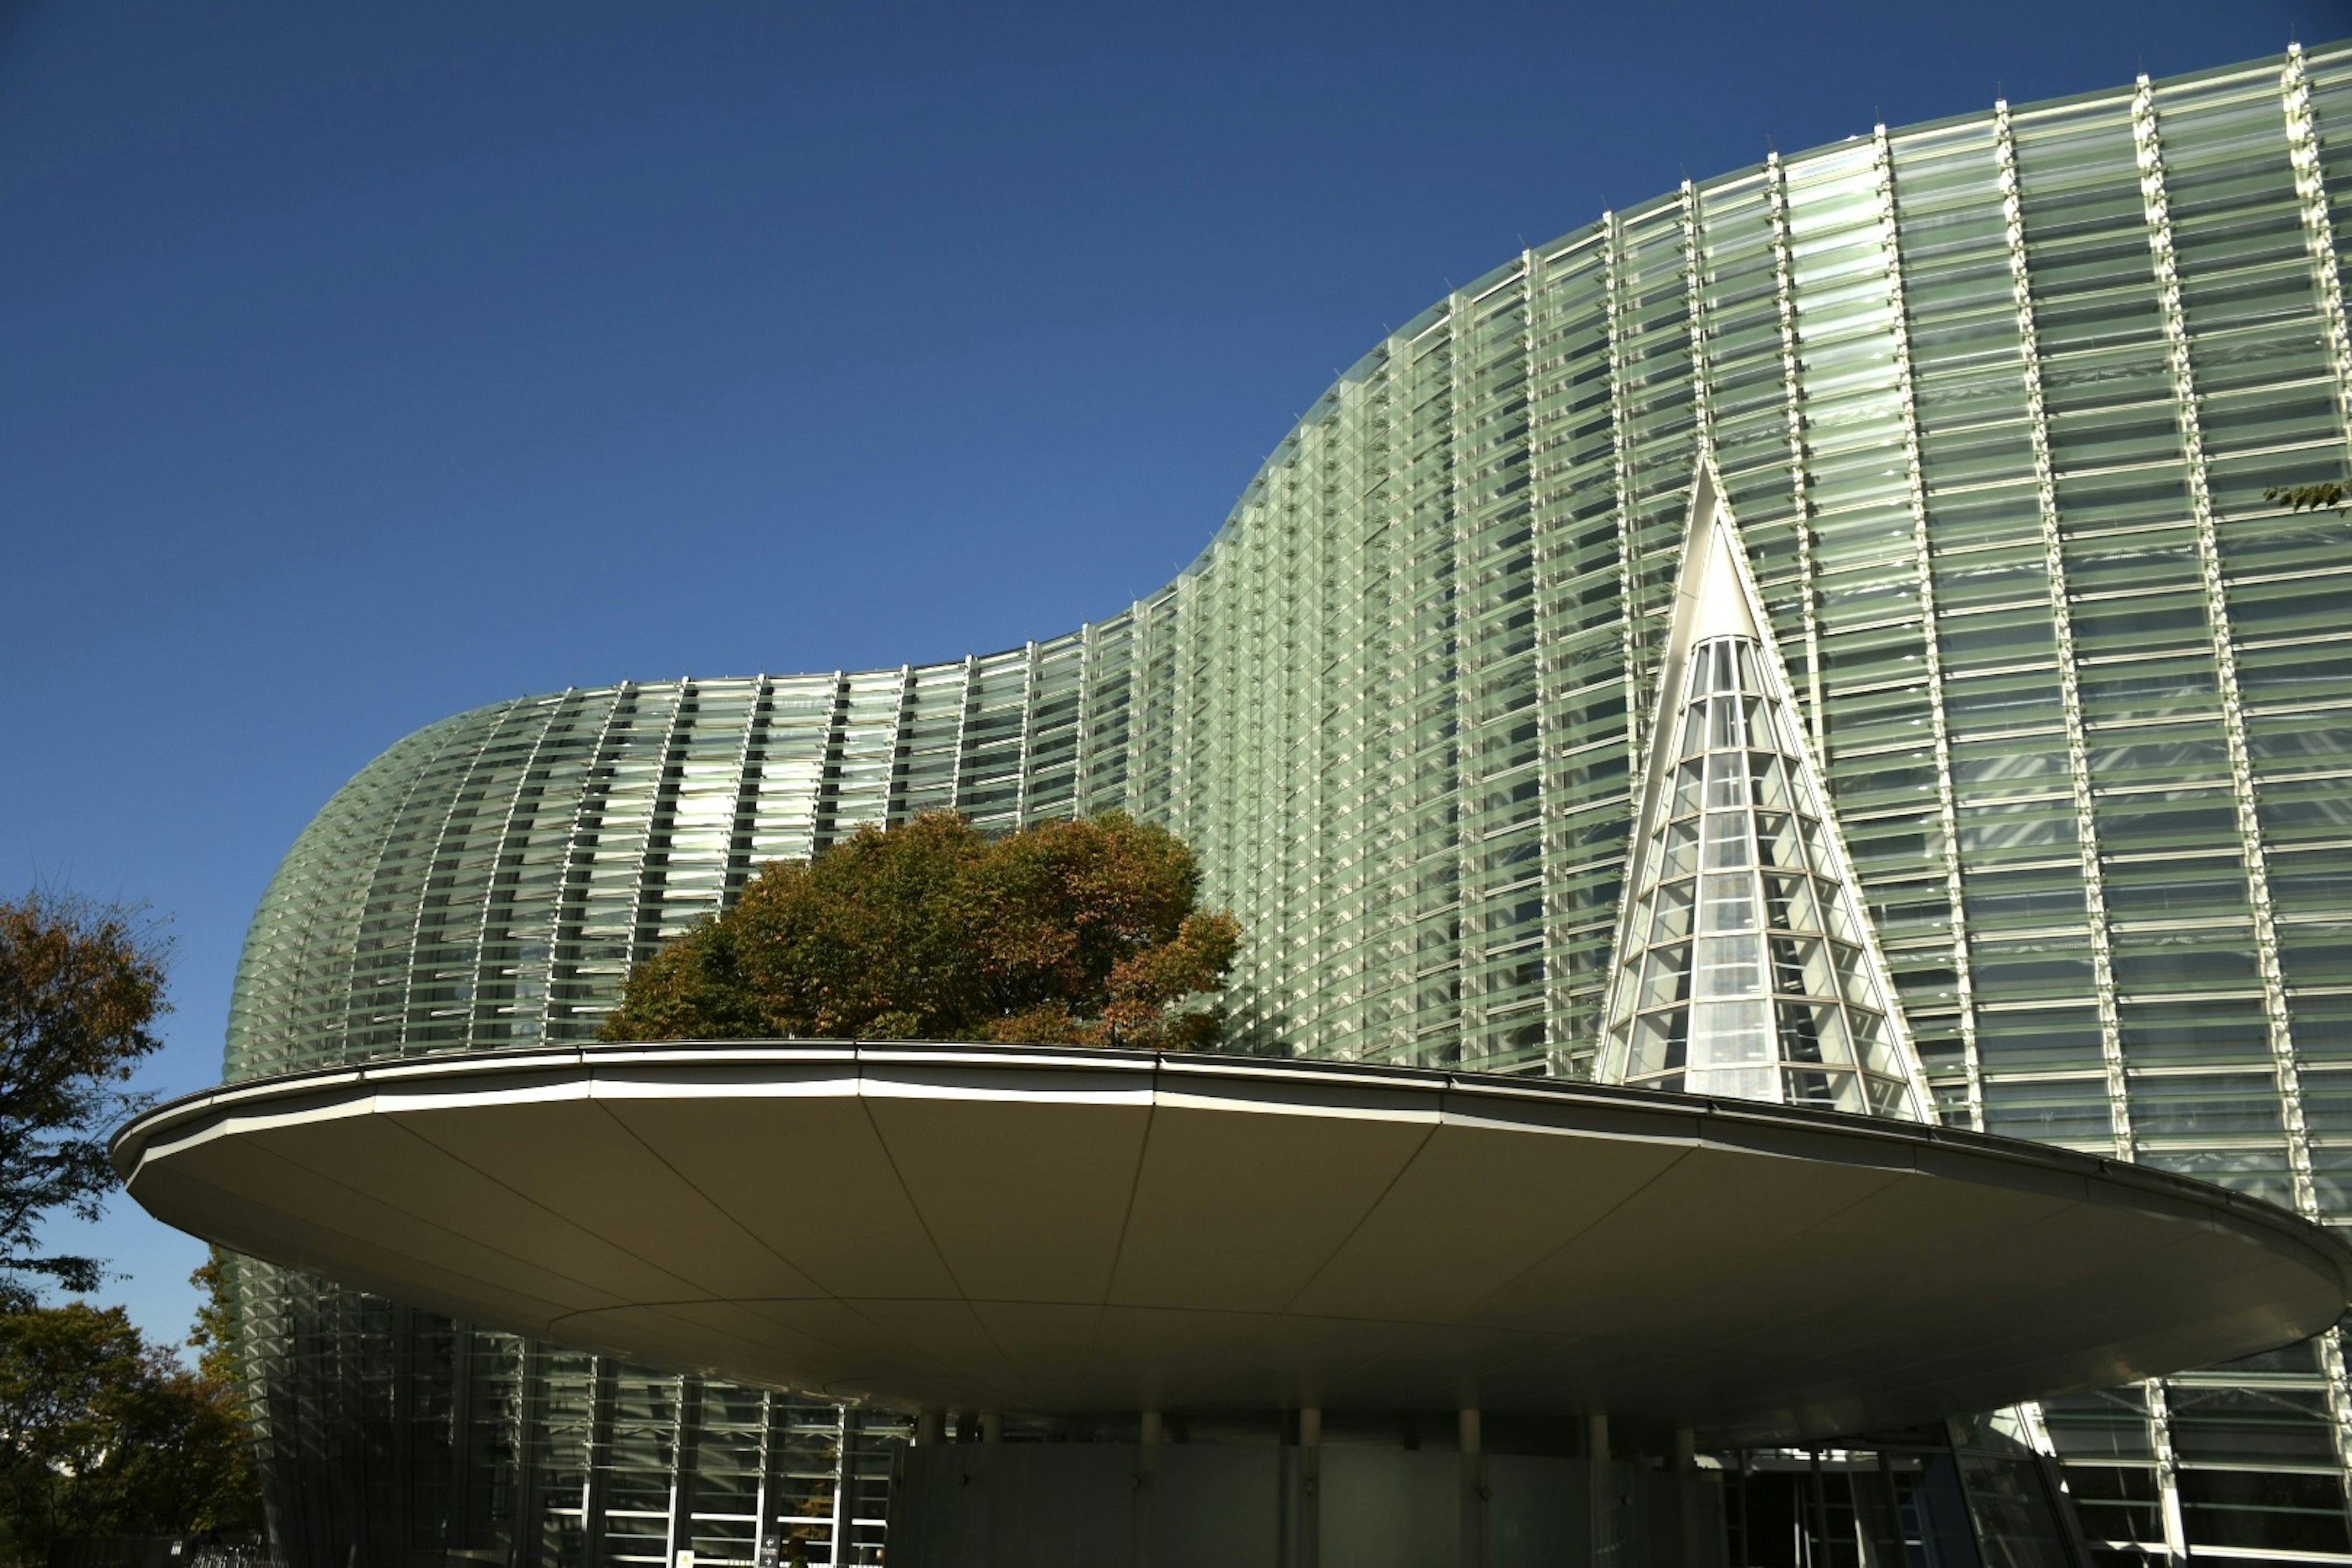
1024 1229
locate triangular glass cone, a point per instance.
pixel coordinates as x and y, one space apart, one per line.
1744 966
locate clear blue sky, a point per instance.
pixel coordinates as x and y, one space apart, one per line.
359 364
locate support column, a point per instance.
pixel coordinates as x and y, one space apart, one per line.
530 1525
992 1427
685 1450
2167 1472
459 1527
394 1542
841 1554
1310 1487
1600 1492
598 1461
764 1543
1146 1485
1474 1492
1686 1496
1818 1499
930 1427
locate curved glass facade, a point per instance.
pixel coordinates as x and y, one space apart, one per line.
1993 403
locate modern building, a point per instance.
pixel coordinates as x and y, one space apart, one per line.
1989 406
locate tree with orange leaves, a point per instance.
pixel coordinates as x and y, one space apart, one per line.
80 985
1077 932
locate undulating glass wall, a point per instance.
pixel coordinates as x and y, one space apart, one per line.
1992 402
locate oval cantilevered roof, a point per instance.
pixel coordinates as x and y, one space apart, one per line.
1050 1230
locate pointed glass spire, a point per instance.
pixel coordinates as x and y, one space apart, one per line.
1744 967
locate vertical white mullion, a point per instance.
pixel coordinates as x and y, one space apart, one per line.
1550 699
1801 507
2149 144
1222 598
1341 847
1702 402
1252 820
1185 604
902 744
2062 619
762 1491
685 1464
1938 725
596 1481
2168 1470
1082 794
1138 691
1381 735
1239 782
674 737
621 694
763 691
1469 1009
1343 843
506 832
1296 804
844 1486
825 821
1028 738
1393 675
957 782
1749 830
1308 811
474 764
1628 573
2318 233
2340 1396
1613 280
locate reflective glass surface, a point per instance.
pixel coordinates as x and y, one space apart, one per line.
1992 401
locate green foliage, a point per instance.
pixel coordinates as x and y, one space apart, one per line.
214 1335
2310 497
79 983
1069 933
102 1434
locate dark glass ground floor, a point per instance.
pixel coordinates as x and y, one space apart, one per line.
397 1439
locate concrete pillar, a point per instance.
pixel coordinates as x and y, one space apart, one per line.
1310 1487
992 1427
1474 1492
1820 1510
1686 1495
1146 1485
930 1427
1600 1491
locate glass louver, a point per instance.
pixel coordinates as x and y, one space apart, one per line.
1744 968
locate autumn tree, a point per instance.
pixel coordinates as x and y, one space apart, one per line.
1070 932
102 1434
80 985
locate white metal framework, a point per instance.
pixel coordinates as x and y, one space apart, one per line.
1745 964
